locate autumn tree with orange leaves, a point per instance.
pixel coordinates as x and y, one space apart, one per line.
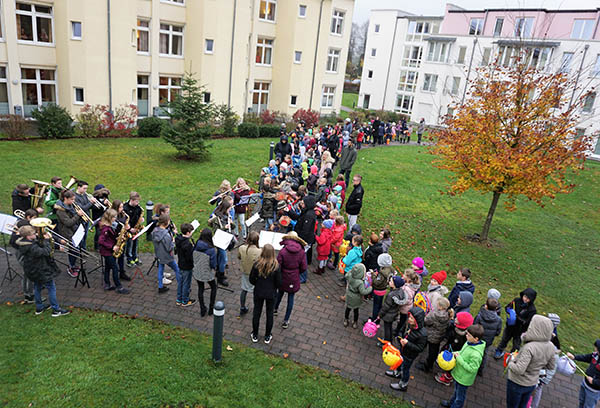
514 134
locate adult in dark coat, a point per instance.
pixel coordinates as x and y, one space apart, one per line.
375 131
305 223
347 160
354 203
292 260
283 148
21 198
524 310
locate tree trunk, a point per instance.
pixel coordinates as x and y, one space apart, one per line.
488 220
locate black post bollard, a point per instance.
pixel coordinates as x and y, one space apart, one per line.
149 208
271 148
219 316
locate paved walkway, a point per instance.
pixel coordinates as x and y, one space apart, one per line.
316 335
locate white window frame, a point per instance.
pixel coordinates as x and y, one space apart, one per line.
373 52
416 29
260 92
407 82
73 36
402 98
496 33
370 74
460 59
455 89
5 81
139 29
377 27
337 22
409 56
526 29
478 28
169 87
327 96
170 33
297 57
596 70
300 8
439 51
579 34
39 82
143 86
75 101
588 107
430 83
264 43
34 15
174 2
366 97
212 47
268 5
333 60
293 104
565 61
485 56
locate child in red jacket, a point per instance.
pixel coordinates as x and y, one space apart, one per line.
324 245
338 232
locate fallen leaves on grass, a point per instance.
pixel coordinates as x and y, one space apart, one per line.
229 348
285 355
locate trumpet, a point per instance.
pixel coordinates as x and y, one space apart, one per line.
217 197
90 197
85 217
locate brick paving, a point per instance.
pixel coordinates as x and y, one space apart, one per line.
315 336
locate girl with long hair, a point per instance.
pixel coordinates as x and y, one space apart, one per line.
107 244
266 278
205 245
248 254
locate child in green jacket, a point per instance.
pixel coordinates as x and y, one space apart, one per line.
468 360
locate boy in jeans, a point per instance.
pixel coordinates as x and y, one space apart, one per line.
468 360
185 259
589 392
134 211
163 251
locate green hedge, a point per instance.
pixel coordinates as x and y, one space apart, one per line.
270 131
248 130
150 127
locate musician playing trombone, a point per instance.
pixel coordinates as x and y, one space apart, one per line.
85 203
68 219
53 196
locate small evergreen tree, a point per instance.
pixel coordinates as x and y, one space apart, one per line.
190 121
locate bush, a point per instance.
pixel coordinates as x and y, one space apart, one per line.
54 121
252 117
248 130
227 119
13 125
308 116
150 127
89 120
98 121
270 131
267 117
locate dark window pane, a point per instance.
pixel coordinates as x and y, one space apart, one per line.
44 29
24 28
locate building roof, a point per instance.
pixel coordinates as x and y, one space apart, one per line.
527 43
457 9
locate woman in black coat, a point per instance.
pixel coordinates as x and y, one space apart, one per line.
266 278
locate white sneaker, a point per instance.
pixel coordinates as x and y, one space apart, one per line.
166 281
168 275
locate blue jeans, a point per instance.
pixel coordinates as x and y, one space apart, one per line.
161 269
221 260
517 396
460 395
131 250
587 397
37 293
405 367
268 223
183 286
111 263
290 303
377 302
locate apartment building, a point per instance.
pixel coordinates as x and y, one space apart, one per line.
567 40
251 54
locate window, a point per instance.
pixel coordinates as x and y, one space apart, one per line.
173 1
462 52
498 26
39 88
596 69
333 59
537 58
582 29
206 97
260 96
143 36
264 51
408 81
297 57
412 57
416 29
377 28
455 85
168 89
485 58
337 22
76 30
3 92
450 112
438 51
476 26
588 103
34 23
293 100
366 101
565 65
430 83
302 10
79 99
404 103
370 74
373 52
209 46
523 27
328 95
267 10
171 40
143 95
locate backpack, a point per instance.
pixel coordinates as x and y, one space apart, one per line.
344 248
422 301
202 271
379 281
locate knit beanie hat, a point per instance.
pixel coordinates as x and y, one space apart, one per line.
554 318
328 224
439 277
493 293
398 281
384 260
463 320
314 170
418 262
98 187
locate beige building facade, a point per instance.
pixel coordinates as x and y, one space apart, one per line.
280 55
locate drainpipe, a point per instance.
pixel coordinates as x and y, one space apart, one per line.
312 85
469 71
387 78
231 54
585 50
110 102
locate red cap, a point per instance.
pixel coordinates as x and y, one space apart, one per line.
463 320
440 276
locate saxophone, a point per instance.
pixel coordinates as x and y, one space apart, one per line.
122 238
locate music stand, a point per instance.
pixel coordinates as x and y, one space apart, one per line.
10 274
154 263
137 272
82 275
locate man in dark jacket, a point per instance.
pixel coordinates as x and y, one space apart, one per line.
133 209
375 131
21 198
354 203
413 343
589 392
68 220
347 160
283 148
305 227
40 268
524 310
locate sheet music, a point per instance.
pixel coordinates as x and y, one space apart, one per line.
78 235
252 220
195 224
143 231
222 239
273 238
7 223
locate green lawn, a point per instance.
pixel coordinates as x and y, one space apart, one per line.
349 100
94 359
